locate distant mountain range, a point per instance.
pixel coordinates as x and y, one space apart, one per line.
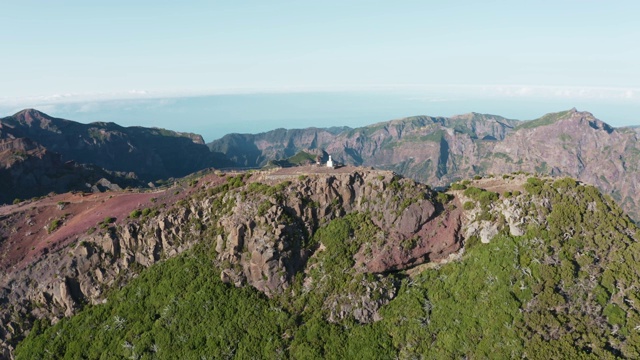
439 150
40 154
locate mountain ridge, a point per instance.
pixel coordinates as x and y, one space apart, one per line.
510 266
440 150
41 154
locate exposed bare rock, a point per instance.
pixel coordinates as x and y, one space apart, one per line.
260 230
488 230
439 150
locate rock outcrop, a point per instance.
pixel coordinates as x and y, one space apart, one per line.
259 226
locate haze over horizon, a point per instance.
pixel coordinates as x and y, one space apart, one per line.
219 67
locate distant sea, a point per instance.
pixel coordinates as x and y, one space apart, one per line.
213 116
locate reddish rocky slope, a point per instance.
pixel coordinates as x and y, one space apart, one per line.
63 251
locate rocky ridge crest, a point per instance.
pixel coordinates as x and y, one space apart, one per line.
438 150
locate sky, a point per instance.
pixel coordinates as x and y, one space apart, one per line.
520 58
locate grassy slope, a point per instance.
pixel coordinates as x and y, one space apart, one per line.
547 119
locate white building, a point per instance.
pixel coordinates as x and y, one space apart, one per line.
330 162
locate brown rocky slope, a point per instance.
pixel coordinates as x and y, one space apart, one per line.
64 251
438 150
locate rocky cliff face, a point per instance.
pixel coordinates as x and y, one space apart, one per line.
62 252
30 170
580 146
245 150
441 150
33 140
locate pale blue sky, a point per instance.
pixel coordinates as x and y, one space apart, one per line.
79 51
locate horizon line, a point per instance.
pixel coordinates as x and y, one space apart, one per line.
488 90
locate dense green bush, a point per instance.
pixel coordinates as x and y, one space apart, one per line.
177 309
457 186
54 225
566 289
443 198
534 186
484 197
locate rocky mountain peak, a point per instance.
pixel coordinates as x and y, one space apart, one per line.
29 113
30 116
573 118
587 118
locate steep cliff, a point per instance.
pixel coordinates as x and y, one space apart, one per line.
439 151
65 251
548 269
29 170
38 152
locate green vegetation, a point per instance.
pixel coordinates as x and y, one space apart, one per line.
503 156
276 192
435 136
469 205
180 309
146 212
543 168
547 119
62 204
302 158
263 207
233 182
567 288
54 225
444 198
177 309
107 222
16 201
534 186
484 197
565 137
20 154
98 134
